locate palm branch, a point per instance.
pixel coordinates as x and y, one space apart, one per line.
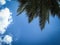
39 8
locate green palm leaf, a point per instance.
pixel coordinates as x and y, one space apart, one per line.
39 8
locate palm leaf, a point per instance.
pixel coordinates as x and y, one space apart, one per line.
39 8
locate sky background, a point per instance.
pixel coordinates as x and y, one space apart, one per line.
25 33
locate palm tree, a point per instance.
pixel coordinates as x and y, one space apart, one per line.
39 8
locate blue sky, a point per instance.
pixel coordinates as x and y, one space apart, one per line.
25 33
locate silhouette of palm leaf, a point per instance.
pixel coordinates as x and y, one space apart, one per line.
39 8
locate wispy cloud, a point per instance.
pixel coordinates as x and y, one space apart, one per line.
5 19
2 2
7 39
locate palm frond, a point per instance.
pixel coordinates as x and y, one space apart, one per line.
39 8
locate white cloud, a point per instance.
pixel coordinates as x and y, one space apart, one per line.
7 39
5 19
2 2
2 31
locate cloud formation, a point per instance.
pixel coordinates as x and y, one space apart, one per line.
7 39
2 2
5 19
